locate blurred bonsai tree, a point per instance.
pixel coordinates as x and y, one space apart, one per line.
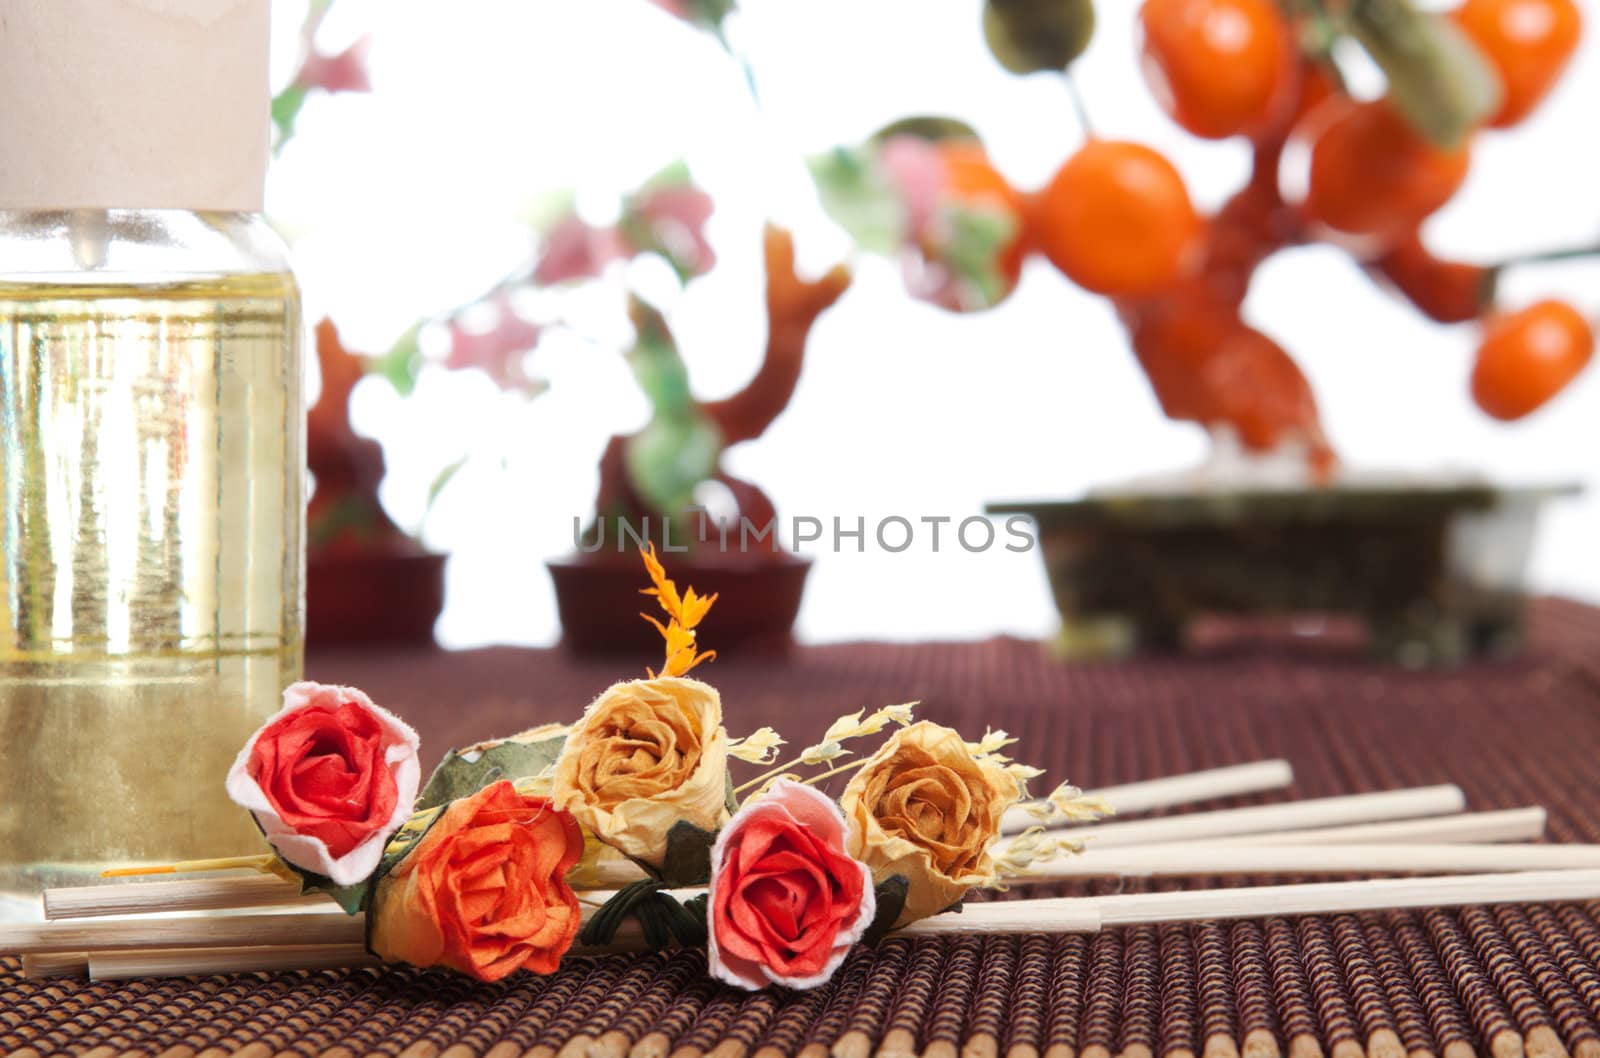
656 472
651 476
1117 218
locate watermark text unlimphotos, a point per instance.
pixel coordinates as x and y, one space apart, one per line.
892 534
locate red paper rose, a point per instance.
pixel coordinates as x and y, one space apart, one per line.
329 778
786 901
485 889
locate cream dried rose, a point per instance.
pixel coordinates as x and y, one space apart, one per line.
927 808
646 754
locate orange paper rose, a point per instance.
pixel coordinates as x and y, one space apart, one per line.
927 808
484 890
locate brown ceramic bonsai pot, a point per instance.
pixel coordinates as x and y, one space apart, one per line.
1434 573
598 598
373 598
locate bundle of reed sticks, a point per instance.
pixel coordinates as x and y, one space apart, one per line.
221 922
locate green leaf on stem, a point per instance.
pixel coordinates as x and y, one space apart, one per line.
688 858
401 364
891 894
464 772
286 111
349 897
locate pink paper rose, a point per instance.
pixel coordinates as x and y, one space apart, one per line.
329 778
786 901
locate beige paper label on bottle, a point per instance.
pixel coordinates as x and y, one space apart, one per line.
147 104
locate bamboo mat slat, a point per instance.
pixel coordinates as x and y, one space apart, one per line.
1514 982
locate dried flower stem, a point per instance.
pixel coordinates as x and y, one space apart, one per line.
263 862
769 774
852 766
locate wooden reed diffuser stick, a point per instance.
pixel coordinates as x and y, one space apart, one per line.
1511 824
1173 790
1287 815
1005 916
1322 898
1521 824
206 893
55 964
1222 858
1058 915
297 927
184 962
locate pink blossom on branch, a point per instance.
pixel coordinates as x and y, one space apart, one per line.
669 220
917 172
498 350
673 222
575 250
706 13
344 72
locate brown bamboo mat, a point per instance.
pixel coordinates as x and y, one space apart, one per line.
1502 981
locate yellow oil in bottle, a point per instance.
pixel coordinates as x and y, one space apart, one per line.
150 602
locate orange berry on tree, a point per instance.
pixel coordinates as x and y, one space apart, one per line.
1529 356
1117 219
1373 175
1220 67
960 223
1528 42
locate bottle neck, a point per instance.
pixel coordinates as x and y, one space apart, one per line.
85 245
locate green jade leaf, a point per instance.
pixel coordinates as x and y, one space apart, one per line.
402 363
710 13
443 478
976 237
669 458
1438 80
674 174
285 112
679 448
656 365
1031 36
857 195
930 127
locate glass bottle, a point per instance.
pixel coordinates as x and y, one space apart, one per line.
151 470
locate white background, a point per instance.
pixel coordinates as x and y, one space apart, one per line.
409 201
